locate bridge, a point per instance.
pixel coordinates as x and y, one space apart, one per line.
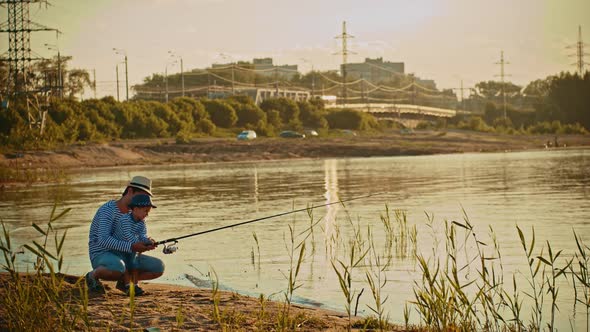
409 115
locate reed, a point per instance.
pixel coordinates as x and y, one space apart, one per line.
215 298
550 260
257 249
296 252
581 261
42 299
376 277
354 256
537 287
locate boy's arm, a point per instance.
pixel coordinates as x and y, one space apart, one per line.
143 234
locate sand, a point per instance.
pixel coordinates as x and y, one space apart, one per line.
181 308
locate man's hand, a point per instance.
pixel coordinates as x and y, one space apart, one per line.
141 247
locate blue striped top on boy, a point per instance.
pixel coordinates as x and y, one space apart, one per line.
131 231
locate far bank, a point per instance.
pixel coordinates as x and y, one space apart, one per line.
203 150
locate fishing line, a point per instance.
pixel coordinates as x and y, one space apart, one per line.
168 249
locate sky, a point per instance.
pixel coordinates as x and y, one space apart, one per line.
445 40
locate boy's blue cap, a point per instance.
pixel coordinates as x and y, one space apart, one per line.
141 200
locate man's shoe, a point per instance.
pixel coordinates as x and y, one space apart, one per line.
138 290
121 286
93 284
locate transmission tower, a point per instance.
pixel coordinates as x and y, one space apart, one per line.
579 46
19 28
345 52
502 75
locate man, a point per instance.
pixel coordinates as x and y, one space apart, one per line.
104 249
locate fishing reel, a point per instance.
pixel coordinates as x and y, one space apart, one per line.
170 248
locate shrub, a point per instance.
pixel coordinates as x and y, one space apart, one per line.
349 119
221 113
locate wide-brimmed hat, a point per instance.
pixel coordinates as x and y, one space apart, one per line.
143 183
141 200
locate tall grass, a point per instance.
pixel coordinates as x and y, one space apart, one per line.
580 271
355 253
296 252
42 299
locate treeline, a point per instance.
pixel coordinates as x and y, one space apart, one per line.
564 98
97 120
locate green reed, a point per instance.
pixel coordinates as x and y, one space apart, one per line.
376 277
257 249
550 260
581 261
538 287
355 253
296 252
215 298
41 300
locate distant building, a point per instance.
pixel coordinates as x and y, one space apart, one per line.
267 68
374 70
261 94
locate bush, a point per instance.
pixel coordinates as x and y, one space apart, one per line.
349 119
221 113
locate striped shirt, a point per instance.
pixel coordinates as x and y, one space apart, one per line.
101 239
131 231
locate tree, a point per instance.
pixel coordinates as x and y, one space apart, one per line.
77 80
221 113
493 89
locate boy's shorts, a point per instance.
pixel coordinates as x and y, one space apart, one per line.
122 261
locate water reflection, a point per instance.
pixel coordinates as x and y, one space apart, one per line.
541 189
331 195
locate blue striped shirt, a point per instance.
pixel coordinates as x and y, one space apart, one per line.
131 231
101 237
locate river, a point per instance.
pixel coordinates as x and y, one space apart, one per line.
547 190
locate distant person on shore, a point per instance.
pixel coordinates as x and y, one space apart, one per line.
132 229
104 248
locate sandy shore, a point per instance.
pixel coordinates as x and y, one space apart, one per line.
159 151
178 308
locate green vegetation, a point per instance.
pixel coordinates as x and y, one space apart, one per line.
462 286
69 121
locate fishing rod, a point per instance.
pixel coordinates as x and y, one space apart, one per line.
169 249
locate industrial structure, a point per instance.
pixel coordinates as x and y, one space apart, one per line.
20 59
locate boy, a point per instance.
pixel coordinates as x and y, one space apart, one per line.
132 229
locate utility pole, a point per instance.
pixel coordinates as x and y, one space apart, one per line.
172 54
579 46
120 51
94 82
502 75
117 72
413 90
344 36
233 80
462 89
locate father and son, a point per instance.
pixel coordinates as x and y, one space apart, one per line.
118 238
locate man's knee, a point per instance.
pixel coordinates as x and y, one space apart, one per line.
150 264
110 262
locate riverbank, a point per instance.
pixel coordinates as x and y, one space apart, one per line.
180 308
160 151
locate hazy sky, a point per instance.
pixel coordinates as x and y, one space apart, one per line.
445 40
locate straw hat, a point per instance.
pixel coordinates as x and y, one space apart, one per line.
142 183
